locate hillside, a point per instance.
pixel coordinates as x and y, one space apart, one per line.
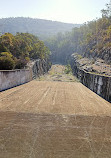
91 40
39 27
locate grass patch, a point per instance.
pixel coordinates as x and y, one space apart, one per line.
68 69
51 73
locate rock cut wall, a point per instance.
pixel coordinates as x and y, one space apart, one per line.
99 84
40 67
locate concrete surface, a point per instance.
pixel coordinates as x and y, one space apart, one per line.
46 119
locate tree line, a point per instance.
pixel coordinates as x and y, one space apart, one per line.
38 27
16 51
92 39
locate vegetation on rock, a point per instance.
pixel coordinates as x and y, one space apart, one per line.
68 69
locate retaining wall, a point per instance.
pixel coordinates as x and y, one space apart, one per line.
12 78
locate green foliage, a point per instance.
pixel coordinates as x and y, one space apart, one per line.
20 63
38 27
88 40
79 56
6 54
40 51
68 69
20 48
107 12
6 63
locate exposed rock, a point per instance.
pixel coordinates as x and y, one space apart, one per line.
40 67
100 84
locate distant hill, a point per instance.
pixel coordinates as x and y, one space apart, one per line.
39 27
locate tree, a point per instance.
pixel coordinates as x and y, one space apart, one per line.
6 63
20 48
107 12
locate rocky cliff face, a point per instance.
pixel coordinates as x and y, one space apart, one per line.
104 53
40 67
97 83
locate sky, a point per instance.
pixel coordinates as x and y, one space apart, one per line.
69 11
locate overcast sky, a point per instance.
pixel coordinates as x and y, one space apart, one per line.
70 11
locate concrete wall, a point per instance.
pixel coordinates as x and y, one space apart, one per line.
97 83
12 78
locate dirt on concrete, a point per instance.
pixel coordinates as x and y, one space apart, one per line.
46 119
